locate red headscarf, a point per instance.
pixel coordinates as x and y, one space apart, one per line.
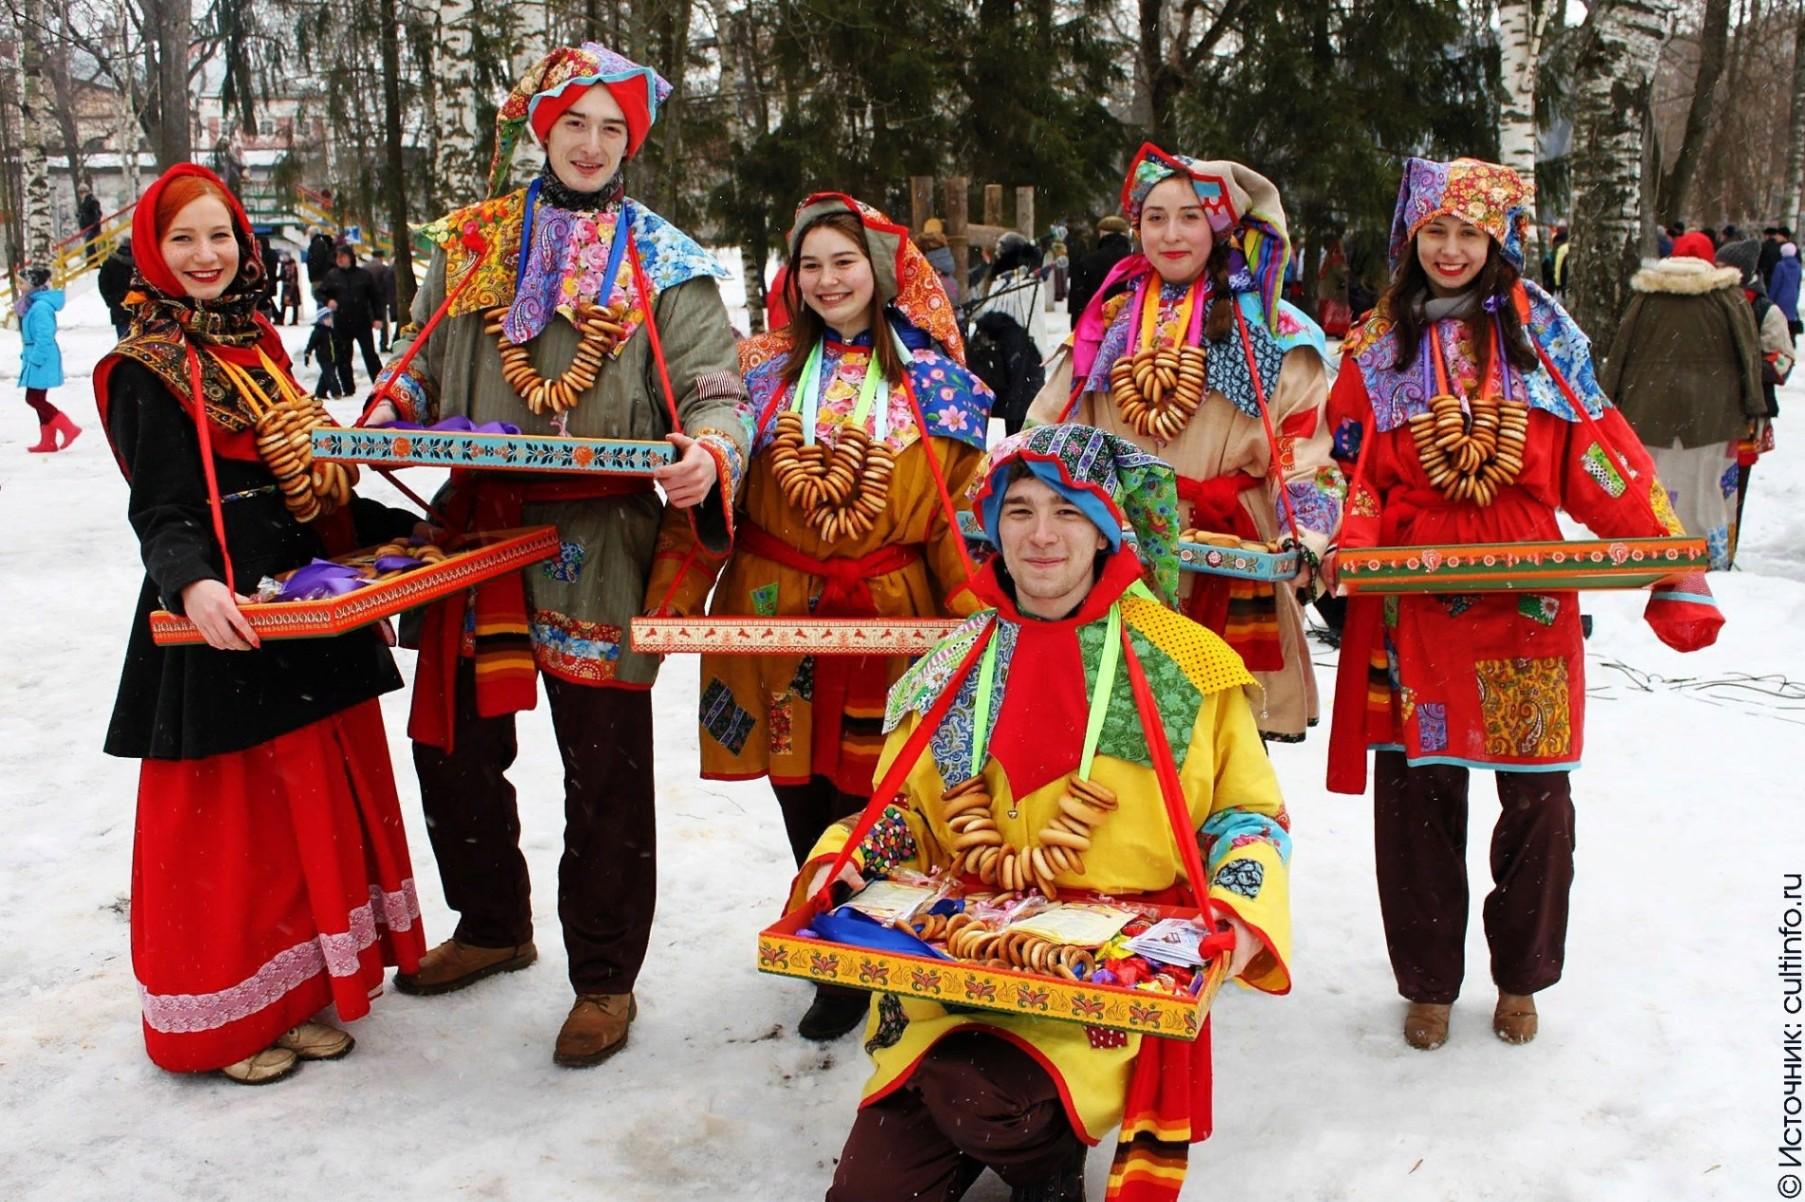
169 326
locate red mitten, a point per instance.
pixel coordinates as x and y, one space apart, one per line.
1683 614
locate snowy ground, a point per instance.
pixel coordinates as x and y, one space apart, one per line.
1657 1076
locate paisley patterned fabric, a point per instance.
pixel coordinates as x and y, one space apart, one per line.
1494 198
1398 394
565 255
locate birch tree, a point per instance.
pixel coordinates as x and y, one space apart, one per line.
1794 184
1620 47
37 129
747 121
457 169
1521 24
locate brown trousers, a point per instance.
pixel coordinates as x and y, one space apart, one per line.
1420 843
608 877
975 1101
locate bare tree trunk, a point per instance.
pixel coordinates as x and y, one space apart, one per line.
457 176
58 67
1521 24
1792 203
125 106
395 166
739 88
1621 43
1714 35
167 26
670 148
37 128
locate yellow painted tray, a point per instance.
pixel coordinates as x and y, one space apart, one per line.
784 951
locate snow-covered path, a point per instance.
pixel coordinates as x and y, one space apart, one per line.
1658 1074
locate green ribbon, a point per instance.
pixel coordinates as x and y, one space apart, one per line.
809 388
1100 694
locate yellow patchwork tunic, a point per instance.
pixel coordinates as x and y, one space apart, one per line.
1233 797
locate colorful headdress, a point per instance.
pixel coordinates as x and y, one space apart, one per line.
1113 481
556 81
1242 205
1494 198
901 272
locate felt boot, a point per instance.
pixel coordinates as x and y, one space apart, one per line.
317 1041
1514 1021
271 1064
834 1012
1426 1025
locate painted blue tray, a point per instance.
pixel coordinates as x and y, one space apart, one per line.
492 452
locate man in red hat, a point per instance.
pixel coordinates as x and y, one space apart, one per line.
571 306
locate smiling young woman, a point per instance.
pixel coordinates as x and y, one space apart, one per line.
1240 419
1466 412
841 517
270 873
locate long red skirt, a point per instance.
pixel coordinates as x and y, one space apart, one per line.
267 884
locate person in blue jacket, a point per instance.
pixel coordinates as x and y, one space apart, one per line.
1783 290
41 367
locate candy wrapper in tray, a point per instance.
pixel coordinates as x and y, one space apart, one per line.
1618 563
1200 551
1071 960
330 597
492 447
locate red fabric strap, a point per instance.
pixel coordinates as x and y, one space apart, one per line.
847 593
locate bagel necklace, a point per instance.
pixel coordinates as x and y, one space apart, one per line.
840 490
979 846
1471 451
283 430
1159 387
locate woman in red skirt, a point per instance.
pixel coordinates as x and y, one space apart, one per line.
1467 411
270 874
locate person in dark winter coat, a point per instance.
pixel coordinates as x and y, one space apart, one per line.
1770 255
1089 269
114 282
319 258
1685 370
288 298
384 275
1003 356
87 216
355 300
319 347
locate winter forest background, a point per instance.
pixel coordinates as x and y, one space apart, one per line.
375 114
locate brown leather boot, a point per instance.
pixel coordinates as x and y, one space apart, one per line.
452 966
595 1029
1426 1025
1514 1021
